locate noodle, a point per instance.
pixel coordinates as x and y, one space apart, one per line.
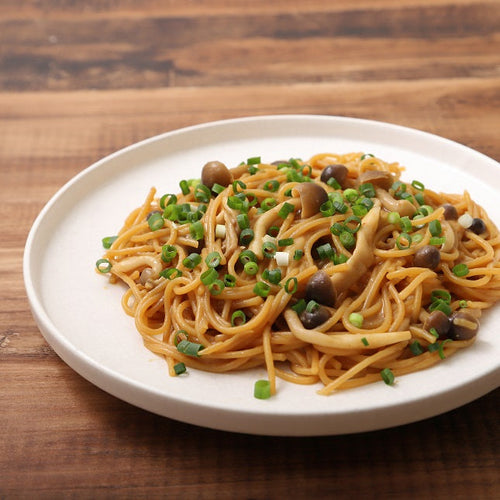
331 270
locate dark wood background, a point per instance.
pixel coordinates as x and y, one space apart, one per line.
81 79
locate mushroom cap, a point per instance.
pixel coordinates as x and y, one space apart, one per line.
312 196
215 172
320 288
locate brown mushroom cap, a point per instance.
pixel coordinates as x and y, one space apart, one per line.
464 326
378 178
315 318
337 171
312 196
321 289
215 172
427 256
439 321
450 212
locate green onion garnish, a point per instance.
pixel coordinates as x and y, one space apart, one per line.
246 236
238 186
416 348
213 259
364 341
268 203
273 276
168 253
460 270
184 187
238 318
201 193
347 239
108 241
405 224
351 195
169 273
261 289
103 266
262 389
285 210
418 185
436 241
229 280
255 160
300 306
387 376
285 242
312 306
393 218
197 230
247 256
269 249
272 186
325 251
293 287
440 305
155 221
367 190
435 228
209 276
216 287
356 319
356 228
298 254
189 348
217 188
463 304
251 268
439 294
192 260
243 221
179 368
167 199
403 241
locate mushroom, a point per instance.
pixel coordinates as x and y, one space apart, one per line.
464 326
320 288
450 212
478 226
312 196
362 256
439 321
337 171
378 178
427 256
403 207
215 172
314 318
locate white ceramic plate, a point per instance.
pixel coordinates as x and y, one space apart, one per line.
81 317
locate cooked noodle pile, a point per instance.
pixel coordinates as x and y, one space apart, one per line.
331 270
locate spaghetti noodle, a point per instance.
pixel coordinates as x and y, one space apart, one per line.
331 270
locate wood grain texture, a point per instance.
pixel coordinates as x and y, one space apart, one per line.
79 80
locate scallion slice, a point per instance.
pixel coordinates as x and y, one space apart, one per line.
189 348
196 230
213 259
155 221
192 260
261 289
251 268
103 266
216 287
168 253
209 276
262 389
291 285
179 368
387 376
108 241
238 318
460 270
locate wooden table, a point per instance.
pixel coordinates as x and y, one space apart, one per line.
79 80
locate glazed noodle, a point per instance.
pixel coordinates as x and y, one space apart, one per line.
331 270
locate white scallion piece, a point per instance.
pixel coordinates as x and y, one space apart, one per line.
282 258
465 220
220 231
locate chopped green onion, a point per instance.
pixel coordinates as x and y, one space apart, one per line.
416 348
393 218
417 238
243 221
435 228
197 230
108 241
356 319
420 198
155 221
209 276
418 185
356 228
440 305
294 286
272 186
236 203
359 210
347 239
217 188
285 242
189 348
365 202
255 160
405 224
229 280
463 304
247 256
367 190
312 306
366 155
325 251
213 259
261 289
387 376
269 249
333 183
437 241
238 186
184 187
273 276
103 266
327 209
238 318
172 200
251 268
273 231
178 335
434 332
298 254
202 193
252 169
268 203
337 228
300 306
168 253
169 273
460 270
400 241
365 341
179 368
246 236
351 195
192 260
216 287
285 210
439 294
262 389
